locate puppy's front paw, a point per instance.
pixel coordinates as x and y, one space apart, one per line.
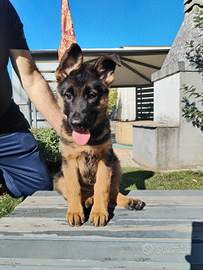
75 219
99 219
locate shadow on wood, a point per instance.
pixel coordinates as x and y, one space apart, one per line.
196 257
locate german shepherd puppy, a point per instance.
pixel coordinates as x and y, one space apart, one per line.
91 171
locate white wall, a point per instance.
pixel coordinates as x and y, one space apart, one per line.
167 100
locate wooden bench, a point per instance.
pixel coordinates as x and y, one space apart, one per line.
167 234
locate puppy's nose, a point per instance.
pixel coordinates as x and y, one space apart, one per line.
77 123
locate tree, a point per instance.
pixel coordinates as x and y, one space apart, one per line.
112 100
195 55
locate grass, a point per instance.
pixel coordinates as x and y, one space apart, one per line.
7 203
132 179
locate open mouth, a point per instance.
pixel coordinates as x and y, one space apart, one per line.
81 137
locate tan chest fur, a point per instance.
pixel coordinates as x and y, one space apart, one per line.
86 159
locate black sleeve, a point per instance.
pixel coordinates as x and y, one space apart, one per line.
16 38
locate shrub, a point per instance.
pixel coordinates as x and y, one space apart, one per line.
48 141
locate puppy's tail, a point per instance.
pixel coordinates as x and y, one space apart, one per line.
59 184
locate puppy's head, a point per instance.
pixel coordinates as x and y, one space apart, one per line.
83 90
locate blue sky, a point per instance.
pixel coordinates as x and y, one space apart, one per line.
102 23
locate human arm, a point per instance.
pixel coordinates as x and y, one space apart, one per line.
36 87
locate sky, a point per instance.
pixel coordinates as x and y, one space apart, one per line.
102 23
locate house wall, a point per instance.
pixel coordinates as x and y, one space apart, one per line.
35 119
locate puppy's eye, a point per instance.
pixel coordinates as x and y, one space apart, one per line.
67 95
91 95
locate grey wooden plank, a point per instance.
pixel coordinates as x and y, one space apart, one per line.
43 199
43 224
61 229
149 201
164 193
33 264
149 212
100 250
136 193
93 251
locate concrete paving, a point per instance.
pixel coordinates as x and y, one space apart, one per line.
125 156
123 152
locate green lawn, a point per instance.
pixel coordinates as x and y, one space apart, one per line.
132 179
141 179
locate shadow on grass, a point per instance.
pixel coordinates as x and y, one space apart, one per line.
135 179
2 190
2 184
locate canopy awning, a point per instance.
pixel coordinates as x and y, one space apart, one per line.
138 63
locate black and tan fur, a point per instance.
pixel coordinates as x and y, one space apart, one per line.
90 173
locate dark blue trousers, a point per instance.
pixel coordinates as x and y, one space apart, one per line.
22 168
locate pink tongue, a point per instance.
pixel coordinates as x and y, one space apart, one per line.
82 137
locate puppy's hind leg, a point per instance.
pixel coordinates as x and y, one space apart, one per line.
60 185
87 195
116 197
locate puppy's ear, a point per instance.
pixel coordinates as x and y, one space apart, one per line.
71 60
105 67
